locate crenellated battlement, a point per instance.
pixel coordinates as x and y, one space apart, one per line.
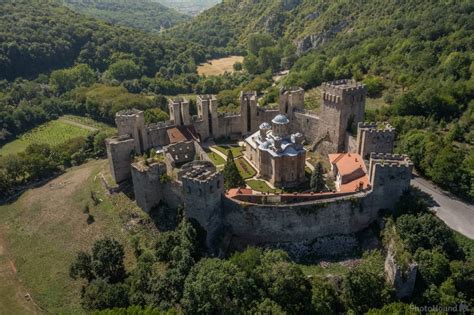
345 86
388 159
376 127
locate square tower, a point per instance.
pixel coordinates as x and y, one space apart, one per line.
179 111
131 122
248 112
343 106
389 176
291 100
207 112
374 137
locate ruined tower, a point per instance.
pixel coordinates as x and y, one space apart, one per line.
131 122
374 137
248 112
147 184
343 105
132 139
207 112
179 111
291 100
389 176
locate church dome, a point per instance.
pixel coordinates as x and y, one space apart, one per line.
265 125
280 119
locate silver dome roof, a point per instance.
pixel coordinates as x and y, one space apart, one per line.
280 119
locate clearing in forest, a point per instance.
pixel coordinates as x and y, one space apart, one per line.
219 66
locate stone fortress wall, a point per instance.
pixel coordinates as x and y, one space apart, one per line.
198 186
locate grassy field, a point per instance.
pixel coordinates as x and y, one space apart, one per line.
245 169
54 132
219 66
86 122
45 228
260 185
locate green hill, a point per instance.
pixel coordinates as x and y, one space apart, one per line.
48 36
140 14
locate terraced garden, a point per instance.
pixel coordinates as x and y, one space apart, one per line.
245 169
261 186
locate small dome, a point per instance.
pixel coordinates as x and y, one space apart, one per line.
265 125
280 119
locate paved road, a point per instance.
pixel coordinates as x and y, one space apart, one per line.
457 214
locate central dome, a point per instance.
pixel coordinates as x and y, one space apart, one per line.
280 119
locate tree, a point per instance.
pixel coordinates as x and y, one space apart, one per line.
318 182
215 286
432 265
106 262
364 287
258 41
124 70
82 267
268 307
324 297
99 295
232 177
237 66
283 282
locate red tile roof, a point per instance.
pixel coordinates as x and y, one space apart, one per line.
182 133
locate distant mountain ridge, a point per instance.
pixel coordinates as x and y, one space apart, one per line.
190 7
145 15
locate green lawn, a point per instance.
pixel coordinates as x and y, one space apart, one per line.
215 158
245 169
54 132
261 186
236 149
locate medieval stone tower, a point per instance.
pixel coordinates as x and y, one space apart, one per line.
291 100
207 112
179 111
147 183
374 137
343 105
248 112
132 122
389 175
132 139
203 188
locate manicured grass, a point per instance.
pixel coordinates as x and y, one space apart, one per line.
219 66
46 227
53 133
236 149
260 185
215 158
244 168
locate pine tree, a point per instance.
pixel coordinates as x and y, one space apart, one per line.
232 177
317 178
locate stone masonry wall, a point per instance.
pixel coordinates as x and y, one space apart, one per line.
266 224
